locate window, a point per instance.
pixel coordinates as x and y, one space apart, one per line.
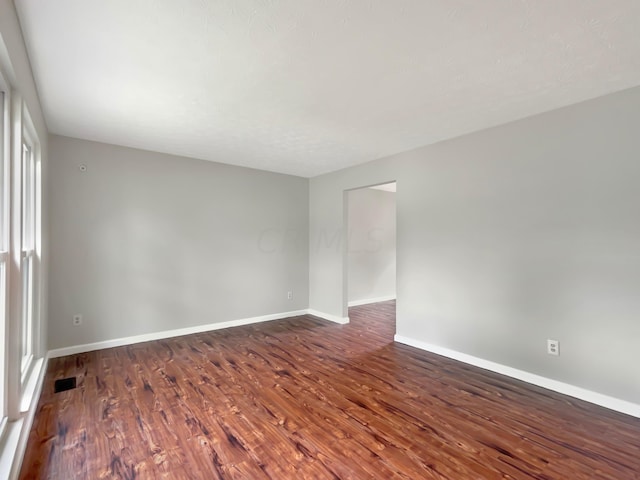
21 358
4 243
28 213
20 250
28 225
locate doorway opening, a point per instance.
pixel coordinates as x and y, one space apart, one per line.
371 247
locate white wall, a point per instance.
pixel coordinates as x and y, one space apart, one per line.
145 242
510 236
372 244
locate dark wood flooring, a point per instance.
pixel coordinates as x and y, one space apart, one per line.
306 399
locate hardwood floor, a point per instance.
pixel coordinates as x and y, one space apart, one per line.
303 398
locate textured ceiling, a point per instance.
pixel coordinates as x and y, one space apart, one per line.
309 86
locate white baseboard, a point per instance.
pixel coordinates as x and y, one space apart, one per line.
147 337
577 392
367 301
328 316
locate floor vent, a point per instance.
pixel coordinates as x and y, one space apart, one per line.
64 384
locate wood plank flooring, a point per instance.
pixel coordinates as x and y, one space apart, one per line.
306 399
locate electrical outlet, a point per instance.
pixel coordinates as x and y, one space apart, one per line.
289 295
77 319
553 347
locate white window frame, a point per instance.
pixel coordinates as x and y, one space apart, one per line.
30 248
5 177
22 376
27 255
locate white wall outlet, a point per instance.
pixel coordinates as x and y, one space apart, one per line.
77 319
289 295
553 347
